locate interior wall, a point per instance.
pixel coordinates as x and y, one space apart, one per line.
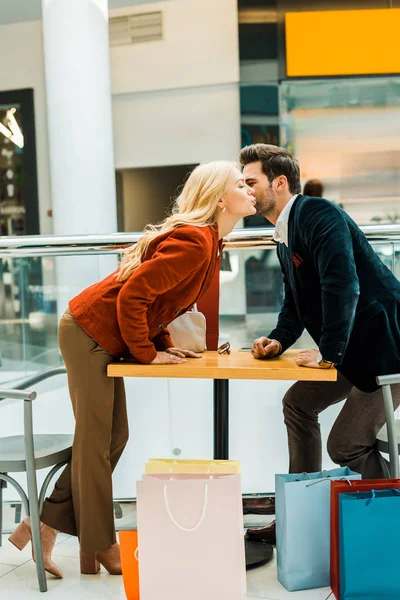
21 47
190 125
199 46
174 102
147 194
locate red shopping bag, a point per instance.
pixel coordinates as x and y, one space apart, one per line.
129 561
342 487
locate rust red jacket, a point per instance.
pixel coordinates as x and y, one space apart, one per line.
130 317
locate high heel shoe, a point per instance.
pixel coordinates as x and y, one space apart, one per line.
23 534
110 559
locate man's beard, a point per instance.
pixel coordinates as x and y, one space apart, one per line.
266 203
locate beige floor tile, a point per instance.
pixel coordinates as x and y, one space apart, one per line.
21 584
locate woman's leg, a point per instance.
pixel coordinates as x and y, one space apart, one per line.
82 500
120 429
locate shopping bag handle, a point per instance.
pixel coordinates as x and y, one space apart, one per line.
320 474
373 495
318 481
200 522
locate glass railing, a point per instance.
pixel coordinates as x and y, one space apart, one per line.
40 274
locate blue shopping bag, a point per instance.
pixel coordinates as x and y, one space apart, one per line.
369 534
303 527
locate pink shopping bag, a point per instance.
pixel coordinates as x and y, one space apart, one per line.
191 537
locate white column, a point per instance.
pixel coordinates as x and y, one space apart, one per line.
81 158
77 68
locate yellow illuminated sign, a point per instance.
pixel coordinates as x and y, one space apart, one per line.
344 42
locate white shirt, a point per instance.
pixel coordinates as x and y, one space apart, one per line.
281 227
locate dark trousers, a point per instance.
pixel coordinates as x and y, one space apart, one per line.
82 501
352 440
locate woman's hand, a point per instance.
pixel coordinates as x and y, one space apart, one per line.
308 358
166 358
183 353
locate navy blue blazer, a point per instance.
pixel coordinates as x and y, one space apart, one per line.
338 289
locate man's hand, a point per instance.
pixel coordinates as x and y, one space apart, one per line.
308 358
183 353
263 347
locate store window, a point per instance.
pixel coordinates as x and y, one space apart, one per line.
346 134
258 51
18 177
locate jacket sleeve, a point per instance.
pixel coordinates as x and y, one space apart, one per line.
327 236
163 340
289 327
175 259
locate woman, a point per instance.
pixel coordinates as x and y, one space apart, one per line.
124 315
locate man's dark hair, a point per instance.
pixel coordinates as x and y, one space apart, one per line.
275 161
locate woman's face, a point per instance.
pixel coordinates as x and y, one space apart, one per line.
239 199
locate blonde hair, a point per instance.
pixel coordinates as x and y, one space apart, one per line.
195 205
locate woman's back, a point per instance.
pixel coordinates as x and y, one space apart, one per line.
178 268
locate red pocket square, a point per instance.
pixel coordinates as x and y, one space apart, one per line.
297 260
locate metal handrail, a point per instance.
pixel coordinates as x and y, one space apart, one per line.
55 245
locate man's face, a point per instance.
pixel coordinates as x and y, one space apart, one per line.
263 189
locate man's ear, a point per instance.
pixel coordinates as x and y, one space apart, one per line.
281 181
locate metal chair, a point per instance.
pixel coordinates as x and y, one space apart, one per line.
388 439
29 453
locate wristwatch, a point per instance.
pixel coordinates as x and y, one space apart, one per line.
324 364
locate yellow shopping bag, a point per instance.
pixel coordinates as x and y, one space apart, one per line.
157 466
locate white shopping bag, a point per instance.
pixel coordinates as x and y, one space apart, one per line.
191 537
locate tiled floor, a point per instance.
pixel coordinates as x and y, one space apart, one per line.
18 578
18 575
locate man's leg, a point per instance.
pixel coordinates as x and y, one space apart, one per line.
302 404
352 441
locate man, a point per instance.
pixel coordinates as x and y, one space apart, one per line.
341 293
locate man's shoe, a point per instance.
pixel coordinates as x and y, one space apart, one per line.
259 506
263 534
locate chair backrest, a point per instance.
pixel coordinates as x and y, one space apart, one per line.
388 379
19 391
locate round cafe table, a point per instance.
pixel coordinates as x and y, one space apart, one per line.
222 368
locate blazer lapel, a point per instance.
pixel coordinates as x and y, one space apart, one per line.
291 257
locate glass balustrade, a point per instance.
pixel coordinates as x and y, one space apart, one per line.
37 283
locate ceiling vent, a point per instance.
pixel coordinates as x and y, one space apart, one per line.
135 29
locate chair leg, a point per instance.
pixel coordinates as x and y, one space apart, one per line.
18 513
34 512
118 514
1 511
47 481
391 430
17 506
36 533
